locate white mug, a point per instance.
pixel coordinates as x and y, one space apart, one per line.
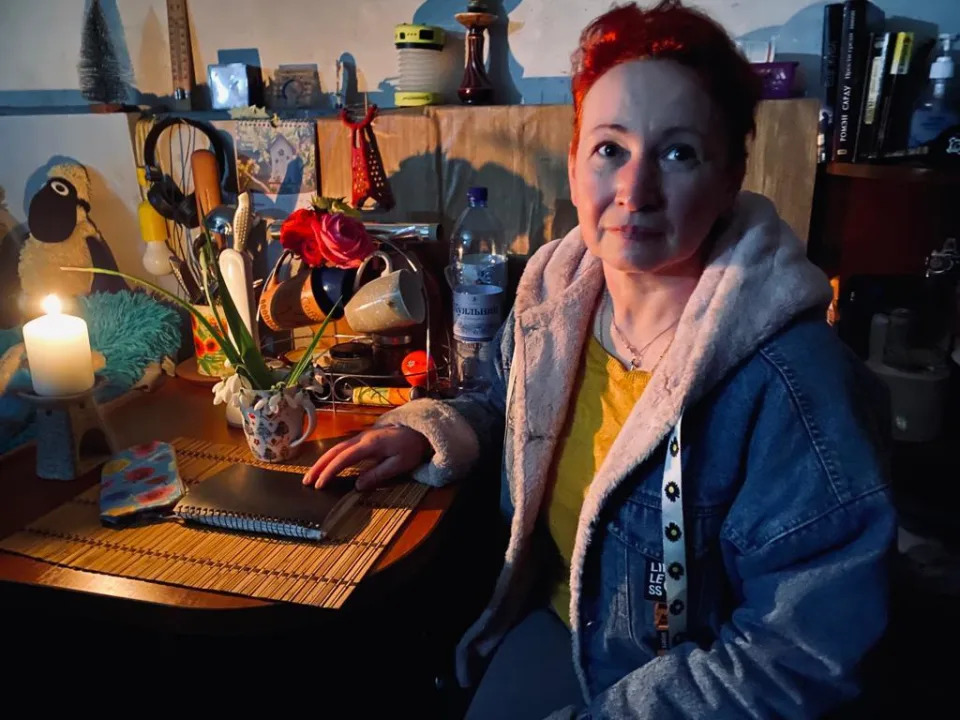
393 300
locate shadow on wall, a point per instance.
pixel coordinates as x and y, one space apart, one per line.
792 45
803 32
506 74
529 216
119 42
12 235
153 43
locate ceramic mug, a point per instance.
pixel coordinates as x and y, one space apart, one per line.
305 298
210 356
273 431
393 300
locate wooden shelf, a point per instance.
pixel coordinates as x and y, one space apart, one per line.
894 173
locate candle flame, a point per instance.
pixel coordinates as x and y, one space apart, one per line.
51 305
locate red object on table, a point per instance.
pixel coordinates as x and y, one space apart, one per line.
414 368
369 179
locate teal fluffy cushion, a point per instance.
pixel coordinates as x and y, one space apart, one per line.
132 330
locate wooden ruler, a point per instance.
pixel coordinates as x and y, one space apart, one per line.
181 58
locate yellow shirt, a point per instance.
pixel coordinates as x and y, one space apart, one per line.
604 395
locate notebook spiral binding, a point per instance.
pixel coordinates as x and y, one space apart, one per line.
247 522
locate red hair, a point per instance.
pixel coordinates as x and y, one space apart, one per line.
670 31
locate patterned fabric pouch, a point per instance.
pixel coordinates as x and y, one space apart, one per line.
139 484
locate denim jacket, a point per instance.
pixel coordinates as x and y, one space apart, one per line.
786 517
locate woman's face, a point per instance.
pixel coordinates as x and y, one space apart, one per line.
651 173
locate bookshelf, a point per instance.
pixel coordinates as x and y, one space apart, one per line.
881 219
893 173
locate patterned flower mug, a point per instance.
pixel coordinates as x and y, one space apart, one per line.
273 429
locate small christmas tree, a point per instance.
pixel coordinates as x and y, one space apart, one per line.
103 78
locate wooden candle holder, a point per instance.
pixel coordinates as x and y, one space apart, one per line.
71 436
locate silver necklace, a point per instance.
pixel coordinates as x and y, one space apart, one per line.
636 359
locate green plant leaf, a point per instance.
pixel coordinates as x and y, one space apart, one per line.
341 206
307 358
206 259
228 349
251 359
334 205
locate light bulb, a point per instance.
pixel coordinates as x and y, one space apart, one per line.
156 258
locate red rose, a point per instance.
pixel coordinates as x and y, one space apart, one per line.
344 241
300 233
311 251
297 228
326 238
211 345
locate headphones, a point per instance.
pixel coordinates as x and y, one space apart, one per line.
163 193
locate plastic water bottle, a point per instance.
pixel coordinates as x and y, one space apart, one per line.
936 110
478 276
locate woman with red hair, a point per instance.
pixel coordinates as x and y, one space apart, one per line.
679 425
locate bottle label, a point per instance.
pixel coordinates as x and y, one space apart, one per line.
476 312
481 269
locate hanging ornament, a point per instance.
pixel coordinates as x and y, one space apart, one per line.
369 179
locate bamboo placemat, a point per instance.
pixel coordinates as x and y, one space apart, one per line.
322 574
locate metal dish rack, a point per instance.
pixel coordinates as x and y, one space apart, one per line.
334 391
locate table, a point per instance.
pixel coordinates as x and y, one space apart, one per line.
404 618
176 408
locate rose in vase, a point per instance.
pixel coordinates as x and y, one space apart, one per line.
321 237
346 242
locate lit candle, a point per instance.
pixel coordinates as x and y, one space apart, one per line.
58 352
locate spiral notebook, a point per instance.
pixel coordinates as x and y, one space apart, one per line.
256 500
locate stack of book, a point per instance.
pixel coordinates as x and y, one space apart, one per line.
871 79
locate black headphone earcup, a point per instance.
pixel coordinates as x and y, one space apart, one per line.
159 196
186 213
164 194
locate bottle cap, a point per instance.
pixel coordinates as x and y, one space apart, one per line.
942 67
477 196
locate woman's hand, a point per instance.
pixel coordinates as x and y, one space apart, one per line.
396 450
